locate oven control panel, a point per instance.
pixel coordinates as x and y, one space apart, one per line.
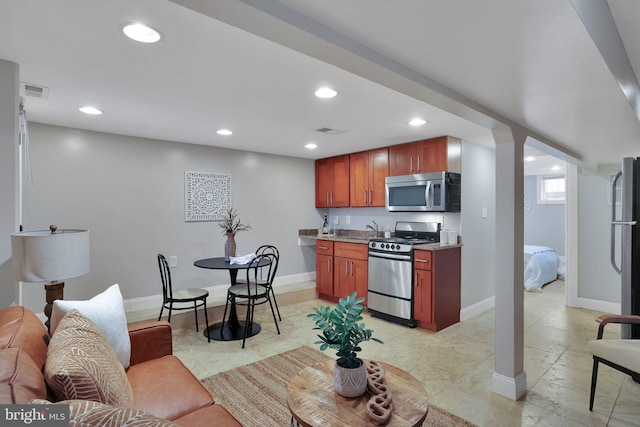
390 247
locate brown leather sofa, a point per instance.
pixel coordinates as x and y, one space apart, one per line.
161 384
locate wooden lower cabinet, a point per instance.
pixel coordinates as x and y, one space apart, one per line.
351 275
324 267
423 296
437 288
347 266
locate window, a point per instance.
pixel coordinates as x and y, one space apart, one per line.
551 189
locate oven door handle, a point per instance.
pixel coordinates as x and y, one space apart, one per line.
390 256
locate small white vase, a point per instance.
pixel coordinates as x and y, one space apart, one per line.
350 382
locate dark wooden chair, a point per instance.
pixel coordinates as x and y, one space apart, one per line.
620 354
193 297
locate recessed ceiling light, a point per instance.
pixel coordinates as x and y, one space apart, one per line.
555 168
141 33
529 159
224 132
311 146
326 92
417 122
90 110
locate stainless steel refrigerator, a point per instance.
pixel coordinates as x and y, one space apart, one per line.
625 240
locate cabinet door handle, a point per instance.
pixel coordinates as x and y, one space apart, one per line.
370 197
411 164
327 199
331 199
426 261
417 280
352 268
328 265
418 163
365 197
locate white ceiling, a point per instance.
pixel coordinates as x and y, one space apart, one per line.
530 62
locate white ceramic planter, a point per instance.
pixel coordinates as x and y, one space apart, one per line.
350 382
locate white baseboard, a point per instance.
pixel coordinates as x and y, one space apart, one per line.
588 303
216 293
477 308
511 388
597 305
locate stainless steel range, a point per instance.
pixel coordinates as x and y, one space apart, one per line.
390 293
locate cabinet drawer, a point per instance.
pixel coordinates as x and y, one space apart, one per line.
351 250
324 247
422 260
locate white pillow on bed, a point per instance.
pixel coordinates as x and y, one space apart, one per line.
106 310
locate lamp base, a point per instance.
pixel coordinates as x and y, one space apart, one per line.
54 290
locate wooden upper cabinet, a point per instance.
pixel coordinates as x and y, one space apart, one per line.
433 155
358 179
332 182
402 158
367 172
430 155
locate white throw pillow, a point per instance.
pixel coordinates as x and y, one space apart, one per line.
106 310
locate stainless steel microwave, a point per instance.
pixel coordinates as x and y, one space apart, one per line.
427 192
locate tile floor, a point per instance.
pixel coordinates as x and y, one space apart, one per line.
456 364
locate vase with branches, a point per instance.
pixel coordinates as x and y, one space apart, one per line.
230 225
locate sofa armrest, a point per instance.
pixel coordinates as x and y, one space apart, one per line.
150 341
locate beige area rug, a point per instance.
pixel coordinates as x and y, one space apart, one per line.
256 394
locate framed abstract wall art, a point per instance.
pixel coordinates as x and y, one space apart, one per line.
207 196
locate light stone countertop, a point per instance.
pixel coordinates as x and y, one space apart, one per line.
346 237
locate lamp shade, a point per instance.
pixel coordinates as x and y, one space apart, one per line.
42 256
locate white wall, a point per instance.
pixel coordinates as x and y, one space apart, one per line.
130 193
9 103
544 224
478 234
596 278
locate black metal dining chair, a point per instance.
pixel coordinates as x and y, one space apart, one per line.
197 297
269 250
254 290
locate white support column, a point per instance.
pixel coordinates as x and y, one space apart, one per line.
9 103
509 378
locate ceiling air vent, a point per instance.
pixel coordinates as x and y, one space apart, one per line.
34 90
329 131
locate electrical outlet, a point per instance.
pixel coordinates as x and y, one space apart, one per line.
173 261
347 219
484 213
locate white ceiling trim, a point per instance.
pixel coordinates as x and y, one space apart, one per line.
600 24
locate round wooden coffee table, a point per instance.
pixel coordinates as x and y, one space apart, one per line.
313 401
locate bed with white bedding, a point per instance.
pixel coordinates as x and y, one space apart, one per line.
541 266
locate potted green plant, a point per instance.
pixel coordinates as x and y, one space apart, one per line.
231 225
342 332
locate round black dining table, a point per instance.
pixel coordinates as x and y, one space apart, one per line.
233 329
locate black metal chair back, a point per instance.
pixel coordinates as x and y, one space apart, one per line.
165 276
275 256
259 273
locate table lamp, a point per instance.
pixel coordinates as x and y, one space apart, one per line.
50 256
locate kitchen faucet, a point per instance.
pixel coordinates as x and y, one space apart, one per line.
373 227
